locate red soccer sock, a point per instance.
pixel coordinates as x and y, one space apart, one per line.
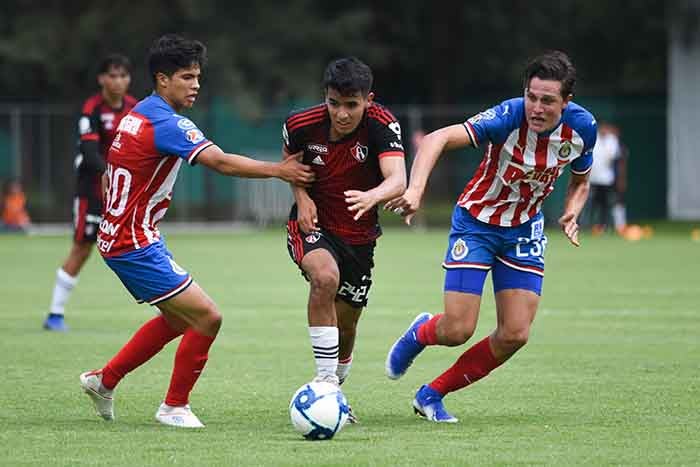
427 333
148 341
190 358
470 367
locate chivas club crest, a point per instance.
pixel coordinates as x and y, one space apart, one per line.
565 150
359 152
459 250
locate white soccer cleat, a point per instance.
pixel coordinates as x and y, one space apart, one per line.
333 379
180 416
91 382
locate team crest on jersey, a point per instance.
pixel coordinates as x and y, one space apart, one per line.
185 124
565 150
317 148
194 136
459 250
313 237
359 152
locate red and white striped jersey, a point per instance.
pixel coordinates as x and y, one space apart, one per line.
142 165
520 166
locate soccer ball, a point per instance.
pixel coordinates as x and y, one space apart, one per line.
318 410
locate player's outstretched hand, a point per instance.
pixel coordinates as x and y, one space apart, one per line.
405 205
307 216
293 171
569 225
360 201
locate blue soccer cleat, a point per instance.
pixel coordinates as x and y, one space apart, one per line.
55 322
405 349
428 404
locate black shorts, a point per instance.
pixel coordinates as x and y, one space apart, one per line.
355 262
87 215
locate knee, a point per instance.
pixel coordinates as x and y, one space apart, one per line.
457 333
325 283
512 339
211 320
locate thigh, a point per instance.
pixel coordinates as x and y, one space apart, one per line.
516 309
187 307
150 274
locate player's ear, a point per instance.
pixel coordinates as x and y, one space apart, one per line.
101 79
567 99
370 97
161 79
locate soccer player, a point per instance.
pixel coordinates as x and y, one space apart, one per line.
151 143
354 146
97 126
497 224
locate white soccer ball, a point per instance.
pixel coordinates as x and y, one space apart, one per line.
318 410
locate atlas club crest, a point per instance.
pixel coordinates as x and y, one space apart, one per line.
359 152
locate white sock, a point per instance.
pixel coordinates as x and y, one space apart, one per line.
61 291
619 214
344 368
324 341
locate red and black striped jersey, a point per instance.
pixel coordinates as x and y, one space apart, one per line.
351 163
99 122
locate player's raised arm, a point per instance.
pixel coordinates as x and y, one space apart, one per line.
576 196
432 146
290 169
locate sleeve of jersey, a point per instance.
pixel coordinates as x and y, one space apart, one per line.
386 138
493 124
588 129
89 139
292 139
179 136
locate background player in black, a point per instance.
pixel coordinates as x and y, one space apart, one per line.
97 127
354 146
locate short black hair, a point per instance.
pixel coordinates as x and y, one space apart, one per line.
555 66
348 76
116 61
172 52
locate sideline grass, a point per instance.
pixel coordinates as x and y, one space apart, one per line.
610 376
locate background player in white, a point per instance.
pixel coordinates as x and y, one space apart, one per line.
497 224
142 166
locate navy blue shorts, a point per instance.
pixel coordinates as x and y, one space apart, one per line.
514 255
150 274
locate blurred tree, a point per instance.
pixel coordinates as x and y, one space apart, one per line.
263 53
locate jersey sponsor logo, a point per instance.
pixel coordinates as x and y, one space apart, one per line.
489 114
177 269
185 124
359 152
513 172
130 124
542 176
108 228
396 145
317 148
194 136
318 161
537 229
107 120
460 250
564 150
313 237
84 126
396 128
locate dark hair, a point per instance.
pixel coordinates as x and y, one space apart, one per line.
172 52
554 65
116 61
348 76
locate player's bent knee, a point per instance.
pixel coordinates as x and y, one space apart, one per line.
512 339
325 282
457 335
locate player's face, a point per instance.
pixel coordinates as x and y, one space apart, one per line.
180 89
115 82
345 111
544 104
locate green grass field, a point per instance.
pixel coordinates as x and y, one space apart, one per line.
611 375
